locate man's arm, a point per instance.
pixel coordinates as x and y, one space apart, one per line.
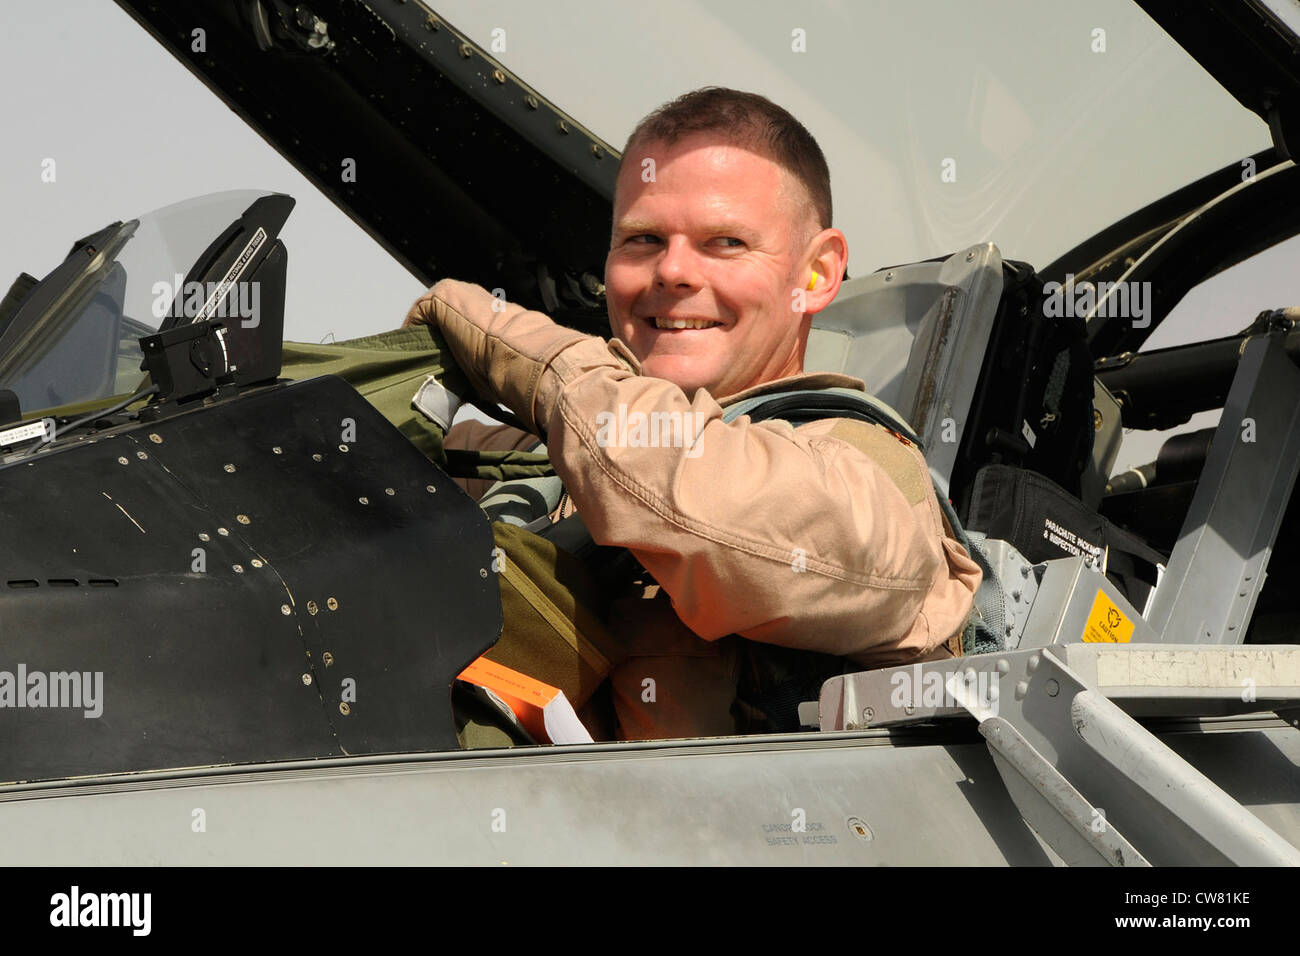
799 538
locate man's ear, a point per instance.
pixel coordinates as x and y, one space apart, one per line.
828 255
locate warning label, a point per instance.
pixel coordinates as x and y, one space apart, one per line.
1107 624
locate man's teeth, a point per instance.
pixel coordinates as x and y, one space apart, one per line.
683 323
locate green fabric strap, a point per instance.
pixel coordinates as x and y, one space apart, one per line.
386 369
497 465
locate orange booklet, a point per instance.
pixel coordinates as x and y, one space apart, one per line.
543 710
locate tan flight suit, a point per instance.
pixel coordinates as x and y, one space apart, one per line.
826 537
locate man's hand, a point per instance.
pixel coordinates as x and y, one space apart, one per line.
502 348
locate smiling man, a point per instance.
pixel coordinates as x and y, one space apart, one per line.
713 242
760 541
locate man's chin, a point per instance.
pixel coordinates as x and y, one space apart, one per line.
686 375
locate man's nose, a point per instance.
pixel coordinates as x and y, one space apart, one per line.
677 266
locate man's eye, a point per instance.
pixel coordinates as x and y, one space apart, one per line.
644 237
731 242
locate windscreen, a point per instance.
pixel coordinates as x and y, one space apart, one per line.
87 347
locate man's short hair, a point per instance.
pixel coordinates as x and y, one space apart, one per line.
743 119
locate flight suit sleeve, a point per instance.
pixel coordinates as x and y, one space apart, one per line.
801 538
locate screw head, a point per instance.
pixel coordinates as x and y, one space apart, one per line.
286 610
364 500
482 572
343 448
312 608
257 562
389 491
237 568
327 658
223 532
143 456
430 489
316 458
531 101
277 450
155 438
242 519
121 460
332 604
204 536
499 76
1053 688
306 679
344 709
230 469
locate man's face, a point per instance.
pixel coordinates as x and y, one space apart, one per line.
719 239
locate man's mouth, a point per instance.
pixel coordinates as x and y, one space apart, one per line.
672 323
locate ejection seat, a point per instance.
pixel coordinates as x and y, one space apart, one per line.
1003 398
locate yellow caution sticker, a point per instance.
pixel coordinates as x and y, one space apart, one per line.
1107 624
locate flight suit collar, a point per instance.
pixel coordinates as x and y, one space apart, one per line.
804 380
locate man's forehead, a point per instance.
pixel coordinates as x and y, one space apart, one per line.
729 165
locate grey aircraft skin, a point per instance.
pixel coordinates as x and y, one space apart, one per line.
1137 698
